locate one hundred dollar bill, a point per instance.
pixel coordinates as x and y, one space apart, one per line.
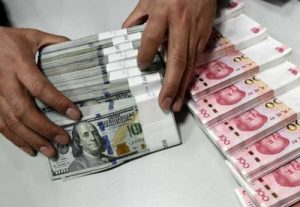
109 134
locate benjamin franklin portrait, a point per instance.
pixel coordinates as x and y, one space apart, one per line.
87 147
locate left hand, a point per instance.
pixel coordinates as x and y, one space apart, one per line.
187 24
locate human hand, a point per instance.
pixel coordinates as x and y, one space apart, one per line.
187 24
20 80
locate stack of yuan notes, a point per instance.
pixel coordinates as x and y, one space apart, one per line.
245 96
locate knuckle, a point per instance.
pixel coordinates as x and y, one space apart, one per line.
48 131
151 37
21 110
179 60
172 87
61 104
38 88
12 121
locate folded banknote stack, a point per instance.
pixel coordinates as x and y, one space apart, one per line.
121 119
245 97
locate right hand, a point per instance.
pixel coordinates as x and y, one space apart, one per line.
20 80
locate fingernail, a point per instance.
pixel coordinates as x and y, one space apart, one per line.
142 66
177 106
73 114
61 139
46 151
27 151
166 103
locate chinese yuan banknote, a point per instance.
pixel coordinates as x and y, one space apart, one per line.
278 188
244 198
252 125
269 153
248 93
257 123
242 31
234 8
237 33
227 70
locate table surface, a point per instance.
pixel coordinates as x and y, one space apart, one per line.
192 174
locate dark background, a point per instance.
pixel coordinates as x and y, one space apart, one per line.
4 17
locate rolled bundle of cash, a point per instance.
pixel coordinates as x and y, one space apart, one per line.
257 123
227 70
245 94
268 154
279 188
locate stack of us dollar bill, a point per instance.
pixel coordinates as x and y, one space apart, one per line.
246 100
121 118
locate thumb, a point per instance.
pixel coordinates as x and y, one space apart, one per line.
138 16
43 39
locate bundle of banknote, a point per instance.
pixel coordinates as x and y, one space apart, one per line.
234 34
233 9
281 187
246 100
257 123
231 68
245 94
112 133
121 118
246 200
268 154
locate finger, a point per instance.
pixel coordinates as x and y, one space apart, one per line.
43 39
152 38
32 138
176 63
138 16
40 88
12 137
28 114
203 41
187 75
